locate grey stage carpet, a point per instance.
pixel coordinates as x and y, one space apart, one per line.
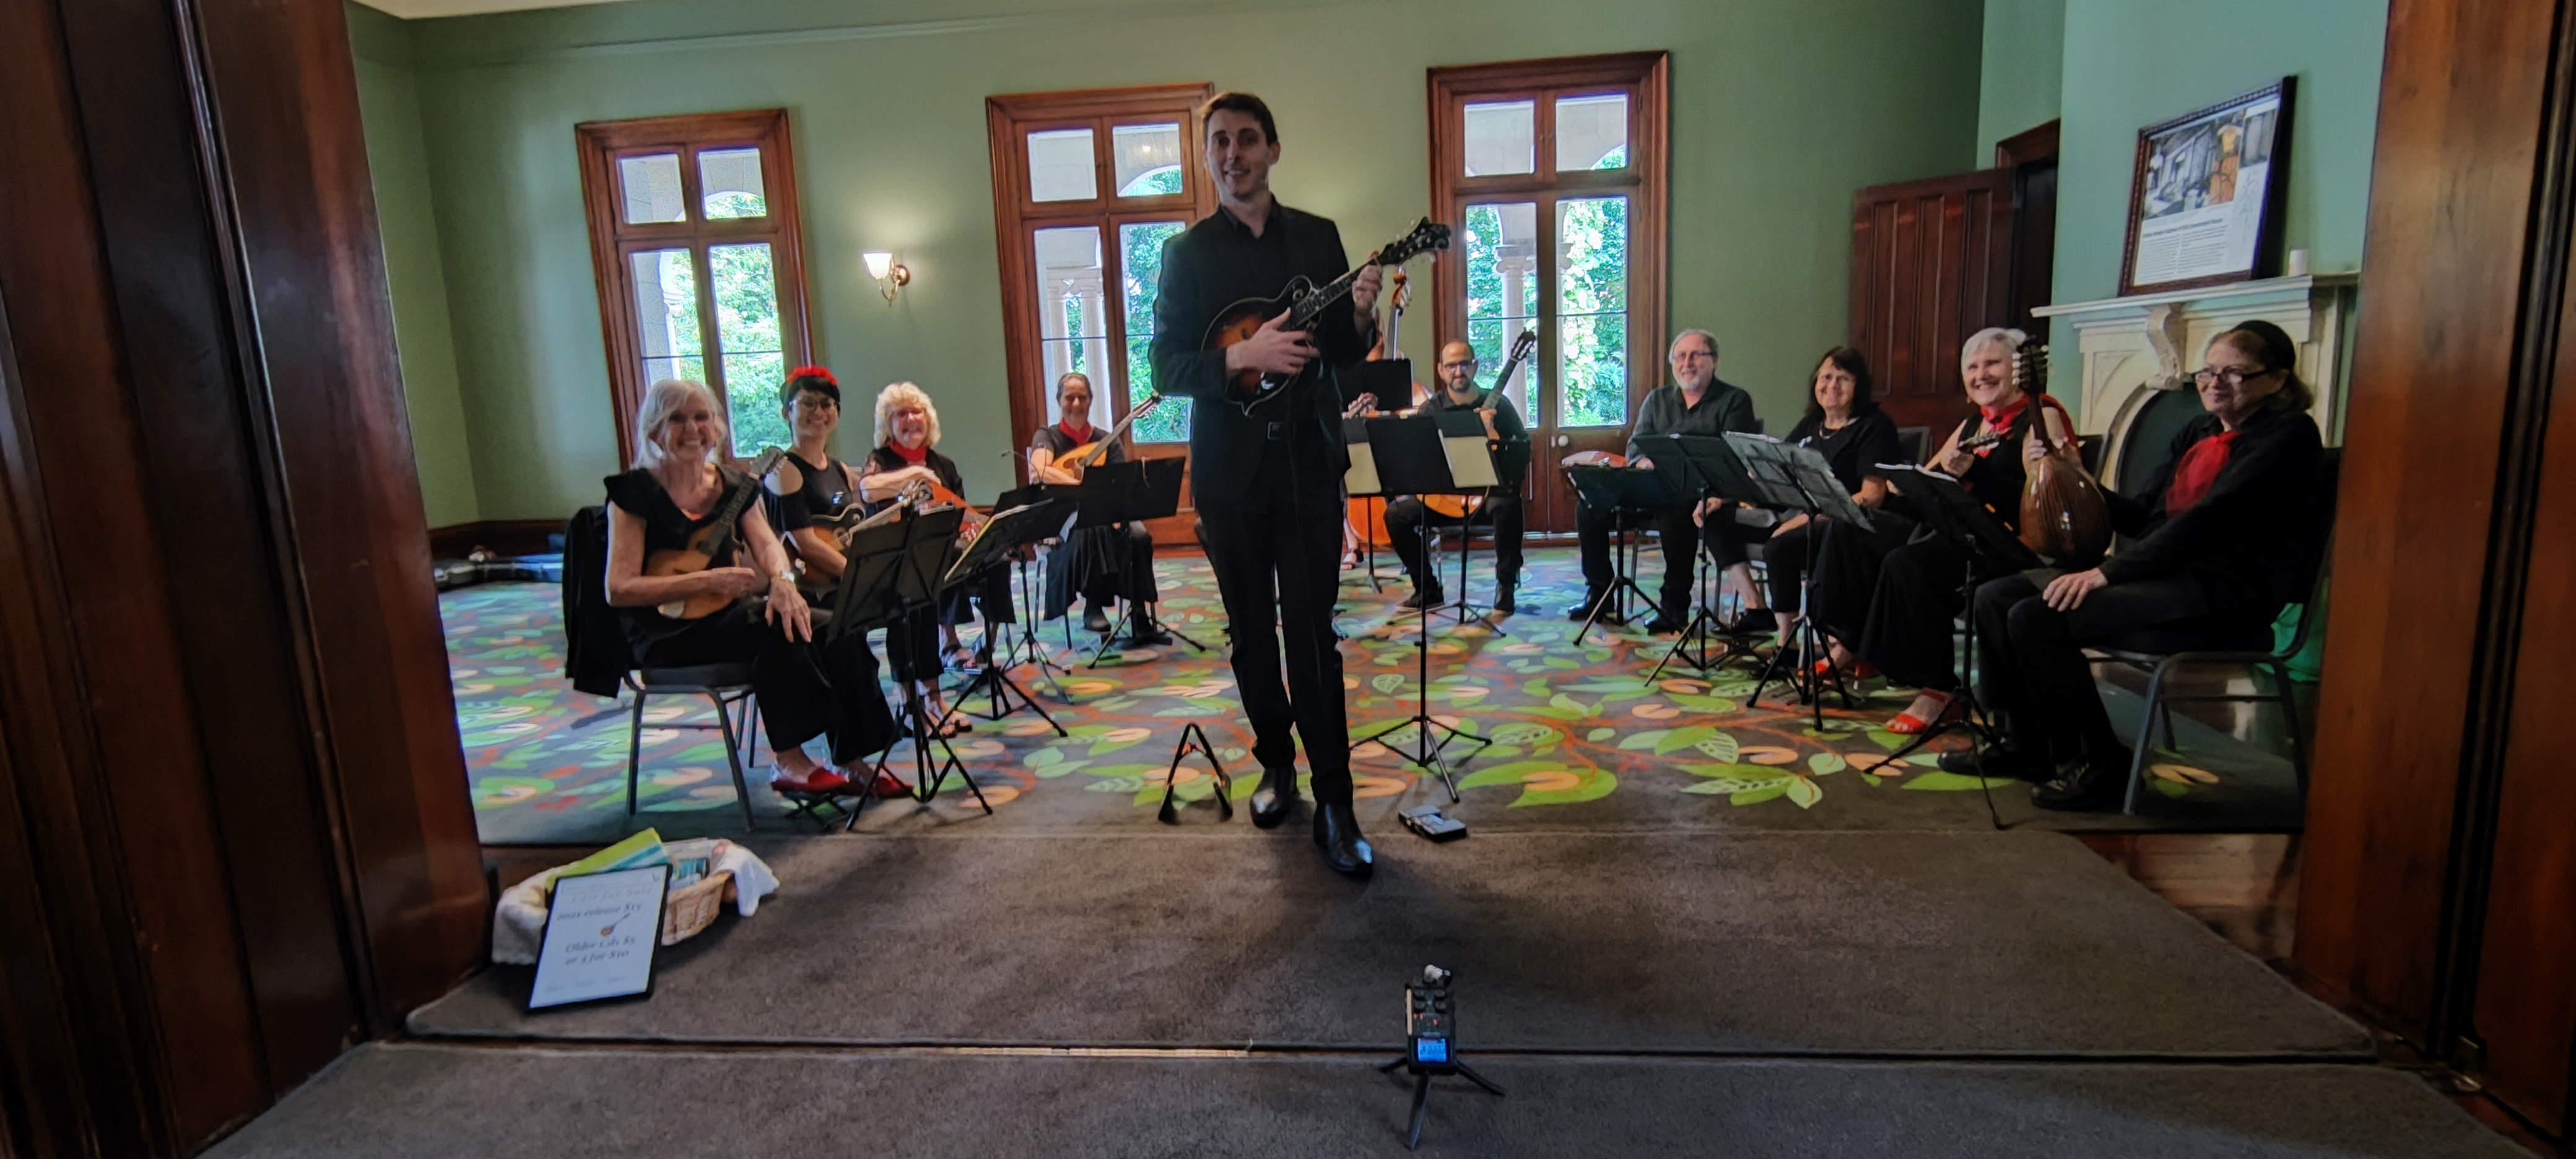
396 1102
2016 944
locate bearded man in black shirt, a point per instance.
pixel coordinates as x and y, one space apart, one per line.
1267 483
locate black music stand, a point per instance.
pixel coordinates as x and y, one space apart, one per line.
1621 491
896 570
1408 457
1008 532
1703 466
1025 647
1131 492
1798 478
1388 380
1950 512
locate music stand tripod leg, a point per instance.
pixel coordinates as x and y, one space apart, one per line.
1426 754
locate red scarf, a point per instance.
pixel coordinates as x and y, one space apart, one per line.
1999 418
914 457
1079 437
2198 471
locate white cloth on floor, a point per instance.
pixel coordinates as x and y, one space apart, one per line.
519 919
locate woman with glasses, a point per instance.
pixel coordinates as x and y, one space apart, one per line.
2225 534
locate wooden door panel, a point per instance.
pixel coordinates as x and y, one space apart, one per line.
1931 264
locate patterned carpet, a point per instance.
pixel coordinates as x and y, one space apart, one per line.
1580 738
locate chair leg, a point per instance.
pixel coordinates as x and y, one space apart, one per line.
2289 701
750 720
733 756
634 748
2146 738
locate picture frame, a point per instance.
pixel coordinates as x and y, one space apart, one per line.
2206 194
580 962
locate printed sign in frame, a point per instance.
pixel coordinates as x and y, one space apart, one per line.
601 933
2206 195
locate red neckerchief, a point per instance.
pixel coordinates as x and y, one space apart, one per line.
1079 437
2198 471
910 457
2000 418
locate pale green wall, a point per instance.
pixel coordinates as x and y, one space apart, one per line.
2022 74
2132 64
1780 110
390 101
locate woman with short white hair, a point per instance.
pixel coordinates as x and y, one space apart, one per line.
1907 632
675 491
906 455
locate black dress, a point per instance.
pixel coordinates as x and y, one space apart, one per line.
1906 632
1097 563
805 689
1846 558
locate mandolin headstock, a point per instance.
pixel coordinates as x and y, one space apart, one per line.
2030 367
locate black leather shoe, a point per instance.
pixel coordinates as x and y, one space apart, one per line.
1503 602
1664 625
1583 611
1424 596
1337 831
1275 798
1095 620
2003 760
2082 785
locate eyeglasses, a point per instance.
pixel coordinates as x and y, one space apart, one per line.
1470 364
2234 375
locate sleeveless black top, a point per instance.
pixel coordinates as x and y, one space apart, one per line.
823 494
666 528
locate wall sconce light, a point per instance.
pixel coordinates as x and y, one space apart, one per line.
891 276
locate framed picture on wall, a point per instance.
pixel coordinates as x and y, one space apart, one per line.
2205 197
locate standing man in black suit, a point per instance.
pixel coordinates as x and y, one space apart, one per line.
1267 484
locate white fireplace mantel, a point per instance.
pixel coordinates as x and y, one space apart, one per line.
2134 346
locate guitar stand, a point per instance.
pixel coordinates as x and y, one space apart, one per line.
929 775
1423 1073
1624 556
1194 737
1136 619
1425 752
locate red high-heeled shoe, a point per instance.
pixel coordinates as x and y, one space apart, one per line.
1906 723
819 783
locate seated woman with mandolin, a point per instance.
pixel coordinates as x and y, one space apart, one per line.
2226 533
681 529
906 466
1905 631
1099 563
1842 423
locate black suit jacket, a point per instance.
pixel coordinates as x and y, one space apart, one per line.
1211 266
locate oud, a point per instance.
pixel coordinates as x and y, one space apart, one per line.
2063 516
709 542
1303 302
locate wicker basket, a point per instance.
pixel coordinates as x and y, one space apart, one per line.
689 912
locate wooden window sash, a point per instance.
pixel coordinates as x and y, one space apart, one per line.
1644 78
614 241
1008 122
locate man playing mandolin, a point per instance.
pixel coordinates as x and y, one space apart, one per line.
1404 517
1267 477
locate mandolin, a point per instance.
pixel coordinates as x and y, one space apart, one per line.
709 542
1303 302
1457 506
2063 517
1075 460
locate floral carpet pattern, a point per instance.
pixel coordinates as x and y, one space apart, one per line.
1578 734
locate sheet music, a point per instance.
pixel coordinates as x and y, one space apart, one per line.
1470 464
1361 479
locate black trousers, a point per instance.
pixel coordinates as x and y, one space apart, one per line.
1100 564
912 647
1906 633
1680 538
1405 518
1847 564
2031 658
805 689
1277 562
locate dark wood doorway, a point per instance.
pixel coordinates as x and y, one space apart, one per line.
1936 260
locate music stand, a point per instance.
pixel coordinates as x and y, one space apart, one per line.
895 571
1006 532
1799 479
1026 648
1408 458
1130 492
1950 512
1387 379
1702 466
1619 491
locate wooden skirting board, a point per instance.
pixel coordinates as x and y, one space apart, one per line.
500 536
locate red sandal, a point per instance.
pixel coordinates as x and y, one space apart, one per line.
1908 724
